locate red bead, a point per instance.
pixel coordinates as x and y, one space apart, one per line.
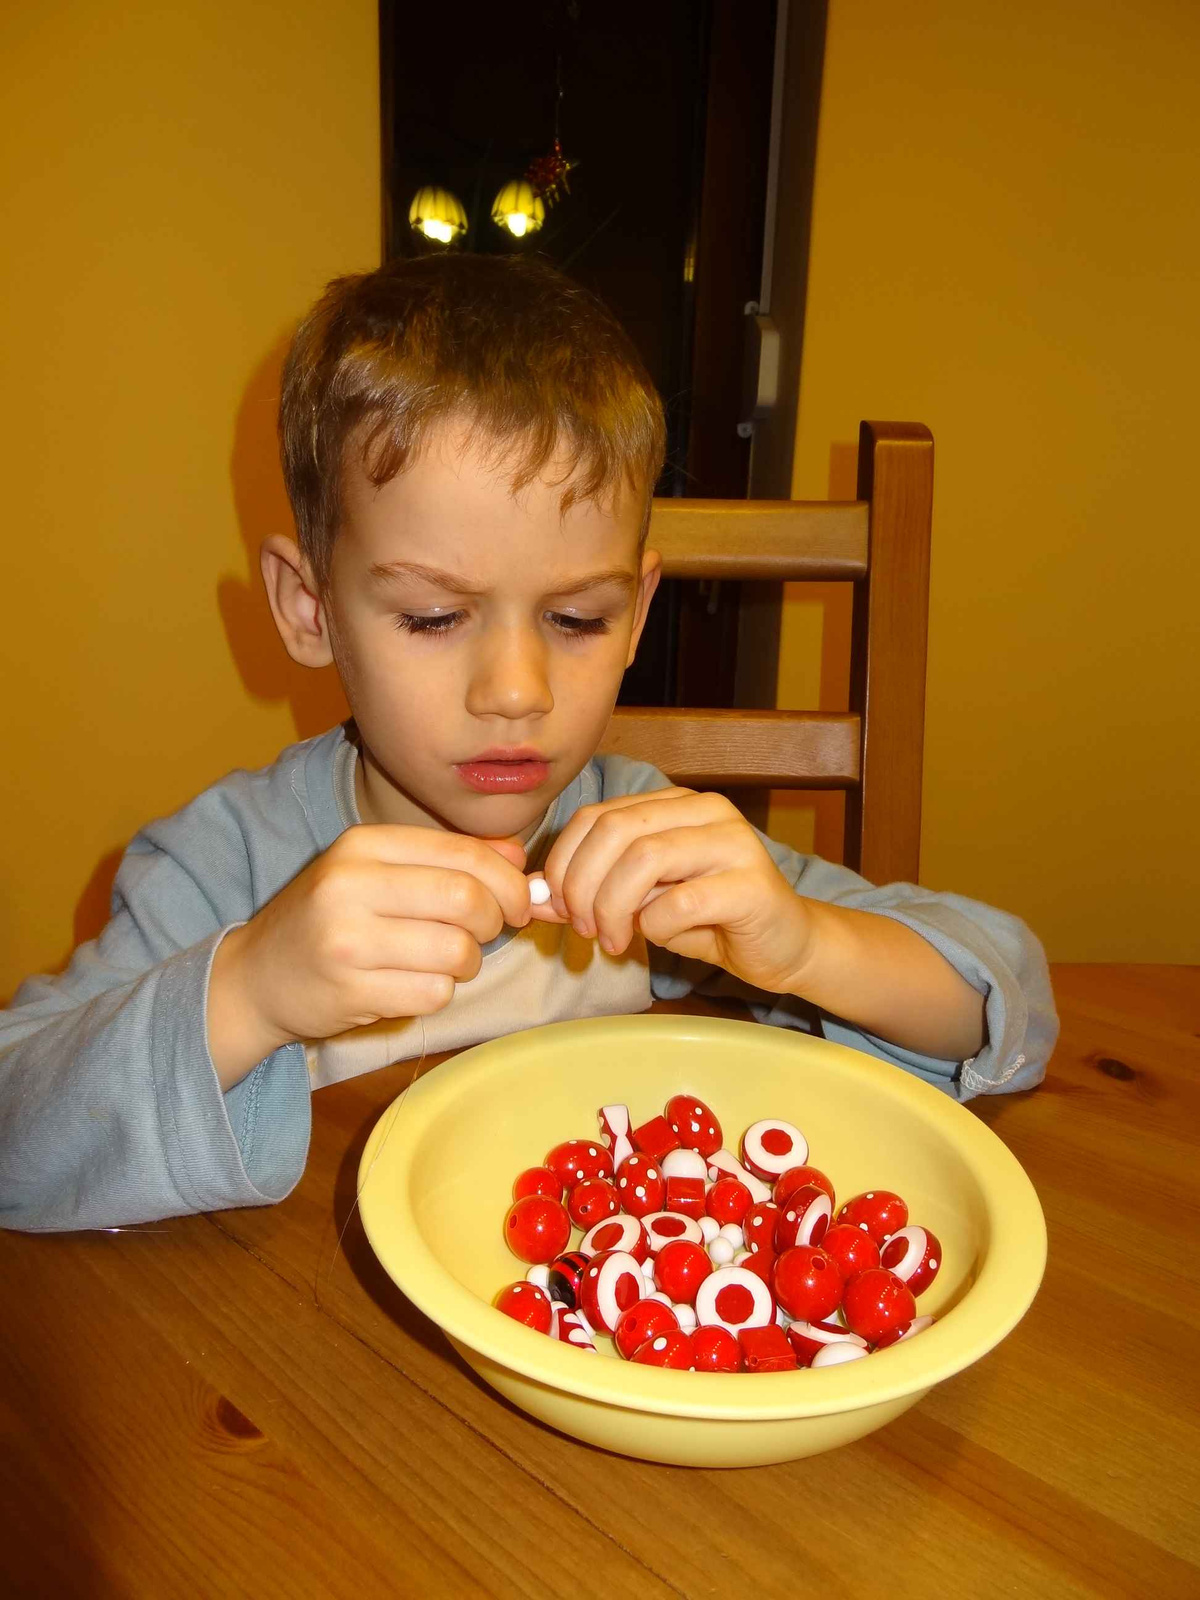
617 1233
878 1212
663 1226
904 1330
680 1268
807 1282
759 1226
805 1218
537 1229
566 1274
795 1178
591 1201
806 1338
766 1349
686 1196
641 1187
715 1350
914 1255
852 1249
640 1322
577 1159
724 1164
525 1302
572 1328
614 1130
875 1302
728 1200
538 1180
734 1298
770 1147
655 1138
763 1263
694 1123
612 1283
666 1350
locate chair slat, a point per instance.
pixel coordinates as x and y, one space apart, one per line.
728 749
820 541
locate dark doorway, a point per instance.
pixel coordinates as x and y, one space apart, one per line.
665 108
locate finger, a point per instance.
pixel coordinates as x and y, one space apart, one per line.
655 859
577 828
721 900
495 867
432 894
611 834
403 994
407 944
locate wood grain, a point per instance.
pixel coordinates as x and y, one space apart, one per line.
225 1407
722 749
777 539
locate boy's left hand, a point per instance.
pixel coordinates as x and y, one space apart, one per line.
690 872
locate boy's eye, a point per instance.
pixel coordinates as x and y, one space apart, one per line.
439 624
576 626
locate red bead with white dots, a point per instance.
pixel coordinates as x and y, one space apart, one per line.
640 1185
804 1219
693 1124
666 1350
525 1302
876 1302
796 1178
758 1226
577 1159
914 1255
612 1282
879 1212
640 1322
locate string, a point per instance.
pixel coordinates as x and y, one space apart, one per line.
394 1117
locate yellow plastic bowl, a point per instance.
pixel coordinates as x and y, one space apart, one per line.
436 1180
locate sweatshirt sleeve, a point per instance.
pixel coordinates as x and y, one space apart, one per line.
995 952
111 1111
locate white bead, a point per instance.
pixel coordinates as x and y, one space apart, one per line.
740 1256
539 1274
686 1315
660 1294
683 1164
732 1231
648 1267
720 1252
710 1228
833 1355
539 892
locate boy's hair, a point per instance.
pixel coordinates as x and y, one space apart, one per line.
533 362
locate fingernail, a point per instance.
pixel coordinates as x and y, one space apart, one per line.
581 927
607 944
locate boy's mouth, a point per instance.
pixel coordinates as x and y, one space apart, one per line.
504 771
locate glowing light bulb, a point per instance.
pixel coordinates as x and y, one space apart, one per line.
518 223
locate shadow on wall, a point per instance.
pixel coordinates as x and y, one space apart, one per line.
267 671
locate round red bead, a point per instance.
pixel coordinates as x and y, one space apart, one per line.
715 1349
577 1159
728 1200
680 1268
538 1180
525 1302
852 1249
591 1201
666 1350
875 1302
878 1212
795 1178
807 1283
641 1187
693 1123
537 1228
640 1322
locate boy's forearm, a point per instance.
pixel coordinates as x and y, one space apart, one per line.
237 1038
881 976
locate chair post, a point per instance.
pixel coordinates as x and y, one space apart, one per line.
888 646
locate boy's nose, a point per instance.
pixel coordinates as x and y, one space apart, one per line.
510 679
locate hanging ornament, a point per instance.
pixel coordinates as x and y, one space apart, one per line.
547 176
518 208
438 214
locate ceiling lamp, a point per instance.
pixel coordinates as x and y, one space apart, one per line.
519 209
437 214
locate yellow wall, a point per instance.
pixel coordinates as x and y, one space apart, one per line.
178 182
1004 246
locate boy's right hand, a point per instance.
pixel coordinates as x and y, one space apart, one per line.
382 924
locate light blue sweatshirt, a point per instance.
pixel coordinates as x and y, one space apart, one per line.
110 1107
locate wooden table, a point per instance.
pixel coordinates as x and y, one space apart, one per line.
190 1412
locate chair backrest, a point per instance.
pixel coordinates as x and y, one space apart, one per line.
880 544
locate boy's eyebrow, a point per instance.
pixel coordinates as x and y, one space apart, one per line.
389 571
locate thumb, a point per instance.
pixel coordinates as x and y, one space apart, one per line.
511 849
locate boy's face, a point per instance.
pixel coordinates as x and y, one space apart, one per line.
480 638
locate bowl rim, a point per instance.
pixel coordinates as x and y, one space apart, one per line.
1007 1280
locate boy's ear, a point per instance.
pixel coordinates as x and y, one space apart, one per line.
651 573
295 605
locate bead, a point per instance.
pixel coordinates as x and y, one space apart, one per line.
663 1226
614 1130
686 1195
907 1330
539 1274
617 1233
573 1328
720 1251
875 1302
666 1350
684 1164
728 1200
836 1355
879 1212
526 1303
715 1350
612 1282
648 1267
852 1249
734 1234
734 1298
914 1255
564 1275
709 1228
640 1322
807 1338
770 1147
537 1228
805 1219
763 1263
724 1164
740 1257
641 1187
577 1159
694 1123
807 1283
538 1180
680 1268
795 1178
540 893
759 1227
655 1138
686 1314
766 1349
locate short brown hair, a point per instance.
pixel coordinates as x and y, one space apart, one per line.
507 344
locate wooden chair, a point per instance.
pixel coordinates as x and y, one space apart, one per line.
880 544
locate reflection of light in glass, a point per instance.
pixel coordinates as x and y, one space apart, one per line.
518 208
437 214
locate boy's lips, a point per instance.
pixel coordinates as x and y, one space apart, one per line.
504 771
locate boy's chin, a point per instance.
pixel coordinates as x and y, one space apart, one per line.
499 816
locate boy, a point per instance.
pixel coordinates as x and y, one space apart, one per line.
470 445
